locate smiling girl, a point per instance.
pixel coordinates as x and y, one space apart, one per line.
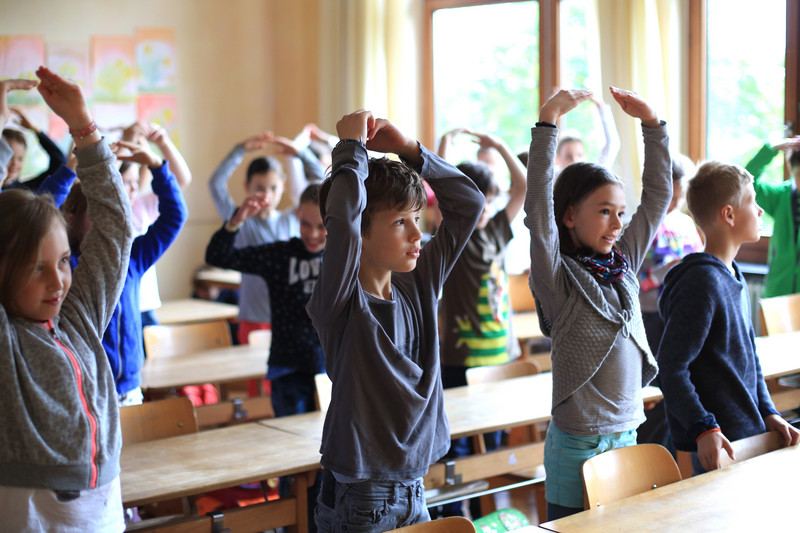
60 444
583 276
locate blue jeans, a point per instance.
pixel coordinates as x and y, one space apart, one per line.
369 505
564 455
293 394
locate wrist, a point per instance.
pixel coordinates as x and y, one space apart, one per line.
233 227
651 122
707 432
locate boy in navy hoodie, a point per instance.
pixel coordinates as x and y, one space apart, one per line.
711 377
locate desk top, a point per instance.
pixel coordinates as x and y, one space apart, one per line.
211 460
470 410
759 494
191 310
220 277
779 354
219 365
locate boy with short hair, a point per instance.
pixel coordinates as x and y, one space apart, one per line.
375 310
290 269
264 176
710 374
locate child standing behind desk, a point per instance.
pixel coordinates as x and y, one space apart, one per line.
583 276
710 375
61 442
290 269
375 309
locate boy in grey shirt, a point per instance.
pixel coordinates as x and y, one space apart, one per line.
374 307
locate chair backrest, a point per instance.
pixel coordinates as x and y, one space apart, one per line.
780 314
181 339
324 388
451 524
157 420
520 293
753 446
623 472
488 374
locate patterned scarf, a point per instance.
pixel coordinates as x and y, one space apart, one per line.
606 268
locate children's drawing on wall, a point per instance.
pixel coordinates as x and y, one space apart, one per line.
113 69
155 59
20 56
161 109
69 59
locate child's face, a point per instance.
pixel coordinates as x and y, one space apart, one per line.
270 184
570 152
596 221
678 196
393 242
312 230
130 180
14 167
747 217
486 214
50 278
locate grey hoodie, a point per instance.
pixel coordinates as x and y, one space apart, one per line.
59 409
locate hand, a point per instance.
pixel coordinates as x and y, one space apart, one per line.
710 447
137 153
65 98
282 145
792 143
791 435
134 132
72 159
635 106
7 86
355 125
486 140
383 136
455 131
317 134
252 205
24 121
256 142
561 103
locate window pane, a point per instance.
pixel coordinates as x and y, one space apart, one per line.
486 72
579 47
746 79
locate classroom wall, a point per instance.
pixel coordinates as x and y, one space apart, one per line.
244 66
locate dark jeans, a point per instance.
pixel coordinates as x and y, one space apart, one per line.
293 394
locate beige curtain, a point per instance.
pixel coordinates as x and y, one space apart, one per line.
643 49
373 61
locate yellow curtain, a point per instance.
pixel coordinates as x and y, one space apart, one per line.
374 63
642 44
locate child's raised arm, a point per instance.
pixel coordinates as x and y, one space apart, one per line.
635 106
7 86
516 170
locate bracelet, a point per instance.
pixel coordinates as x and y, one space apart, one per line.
346 141
545 124
231 228
703 434
85 132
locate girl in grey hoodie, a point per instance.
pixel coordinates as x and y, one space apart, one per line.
60 442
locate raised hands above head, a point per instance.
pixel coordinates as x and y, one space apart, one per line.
251 206
136 153
561 103
66 99
7 86
635 106
789 144
257 142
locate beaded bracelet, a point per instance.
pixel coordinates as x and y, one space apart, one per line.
85 132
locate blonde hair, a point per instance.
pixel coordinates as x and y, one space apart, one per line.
715 185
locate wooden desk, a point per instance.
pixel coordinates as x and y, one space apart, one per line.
759 494
219 277
220 365
193 464
195 310
779 354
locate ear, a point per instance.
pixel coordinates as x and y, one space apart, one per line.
569 217
727 215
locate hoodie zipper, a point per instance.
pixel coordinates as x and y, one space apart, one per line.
92 420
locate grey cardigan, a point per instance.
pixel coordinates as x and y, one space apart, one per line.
59 413
569 300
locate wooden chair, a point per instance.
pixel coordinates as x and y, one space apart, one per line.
627 471
157 420
753 446
451 524
181 339
235 411
323 394
520 293
780 314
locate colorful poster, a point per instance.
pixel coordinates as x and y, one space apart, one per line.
155 60
161 109
111 117
113 69
71 60
20 56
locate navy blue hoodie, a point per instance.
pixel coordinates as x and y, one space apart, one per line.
709 371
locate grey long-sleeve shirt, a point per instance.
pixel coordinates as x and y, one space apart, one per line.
386 418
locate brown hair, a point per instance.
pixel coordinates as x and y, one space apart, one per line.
390 185
74 210
15 135
575 183
25 219
715 185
